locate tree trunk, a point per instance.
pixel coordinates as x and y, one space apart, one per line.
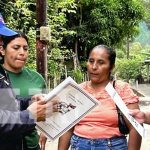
75 56
128 48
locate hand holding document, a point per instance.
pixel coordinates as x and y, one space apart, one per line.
121 105
73 104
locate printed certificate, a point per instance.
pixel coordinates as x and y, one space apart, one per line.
75 103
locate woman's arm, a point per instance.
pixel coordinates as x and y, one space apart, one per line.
134 141
64 140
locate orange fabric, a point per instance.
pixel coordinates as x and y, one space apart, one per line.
102 122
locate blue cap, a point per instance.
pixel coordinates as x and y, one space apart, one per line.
5 30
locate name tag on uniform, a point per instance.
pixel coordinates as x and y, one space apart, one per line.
124 109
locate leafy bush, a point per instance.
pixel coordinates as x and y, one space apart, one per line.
128 68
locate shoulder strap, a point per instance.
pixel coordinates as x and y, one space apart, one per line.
114 82
5 81
3 73
4 76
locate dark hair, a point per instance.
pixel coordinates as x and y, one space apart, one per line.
110 51
8 39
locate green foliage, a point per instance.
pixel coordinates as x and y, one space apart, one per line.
129 68
147 11
31 63
18 14
120 54
56 62
78 75
89 22
135 48
57 20
103 21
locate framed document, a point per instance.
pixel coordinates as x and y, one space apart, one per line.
74 104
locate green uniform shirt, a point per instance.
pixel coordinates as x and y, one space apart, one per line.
27 83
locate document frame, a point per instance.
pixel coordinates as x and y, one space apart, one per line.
75 104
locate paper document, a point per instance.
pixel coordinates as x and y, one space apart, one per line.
121 105
75 103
